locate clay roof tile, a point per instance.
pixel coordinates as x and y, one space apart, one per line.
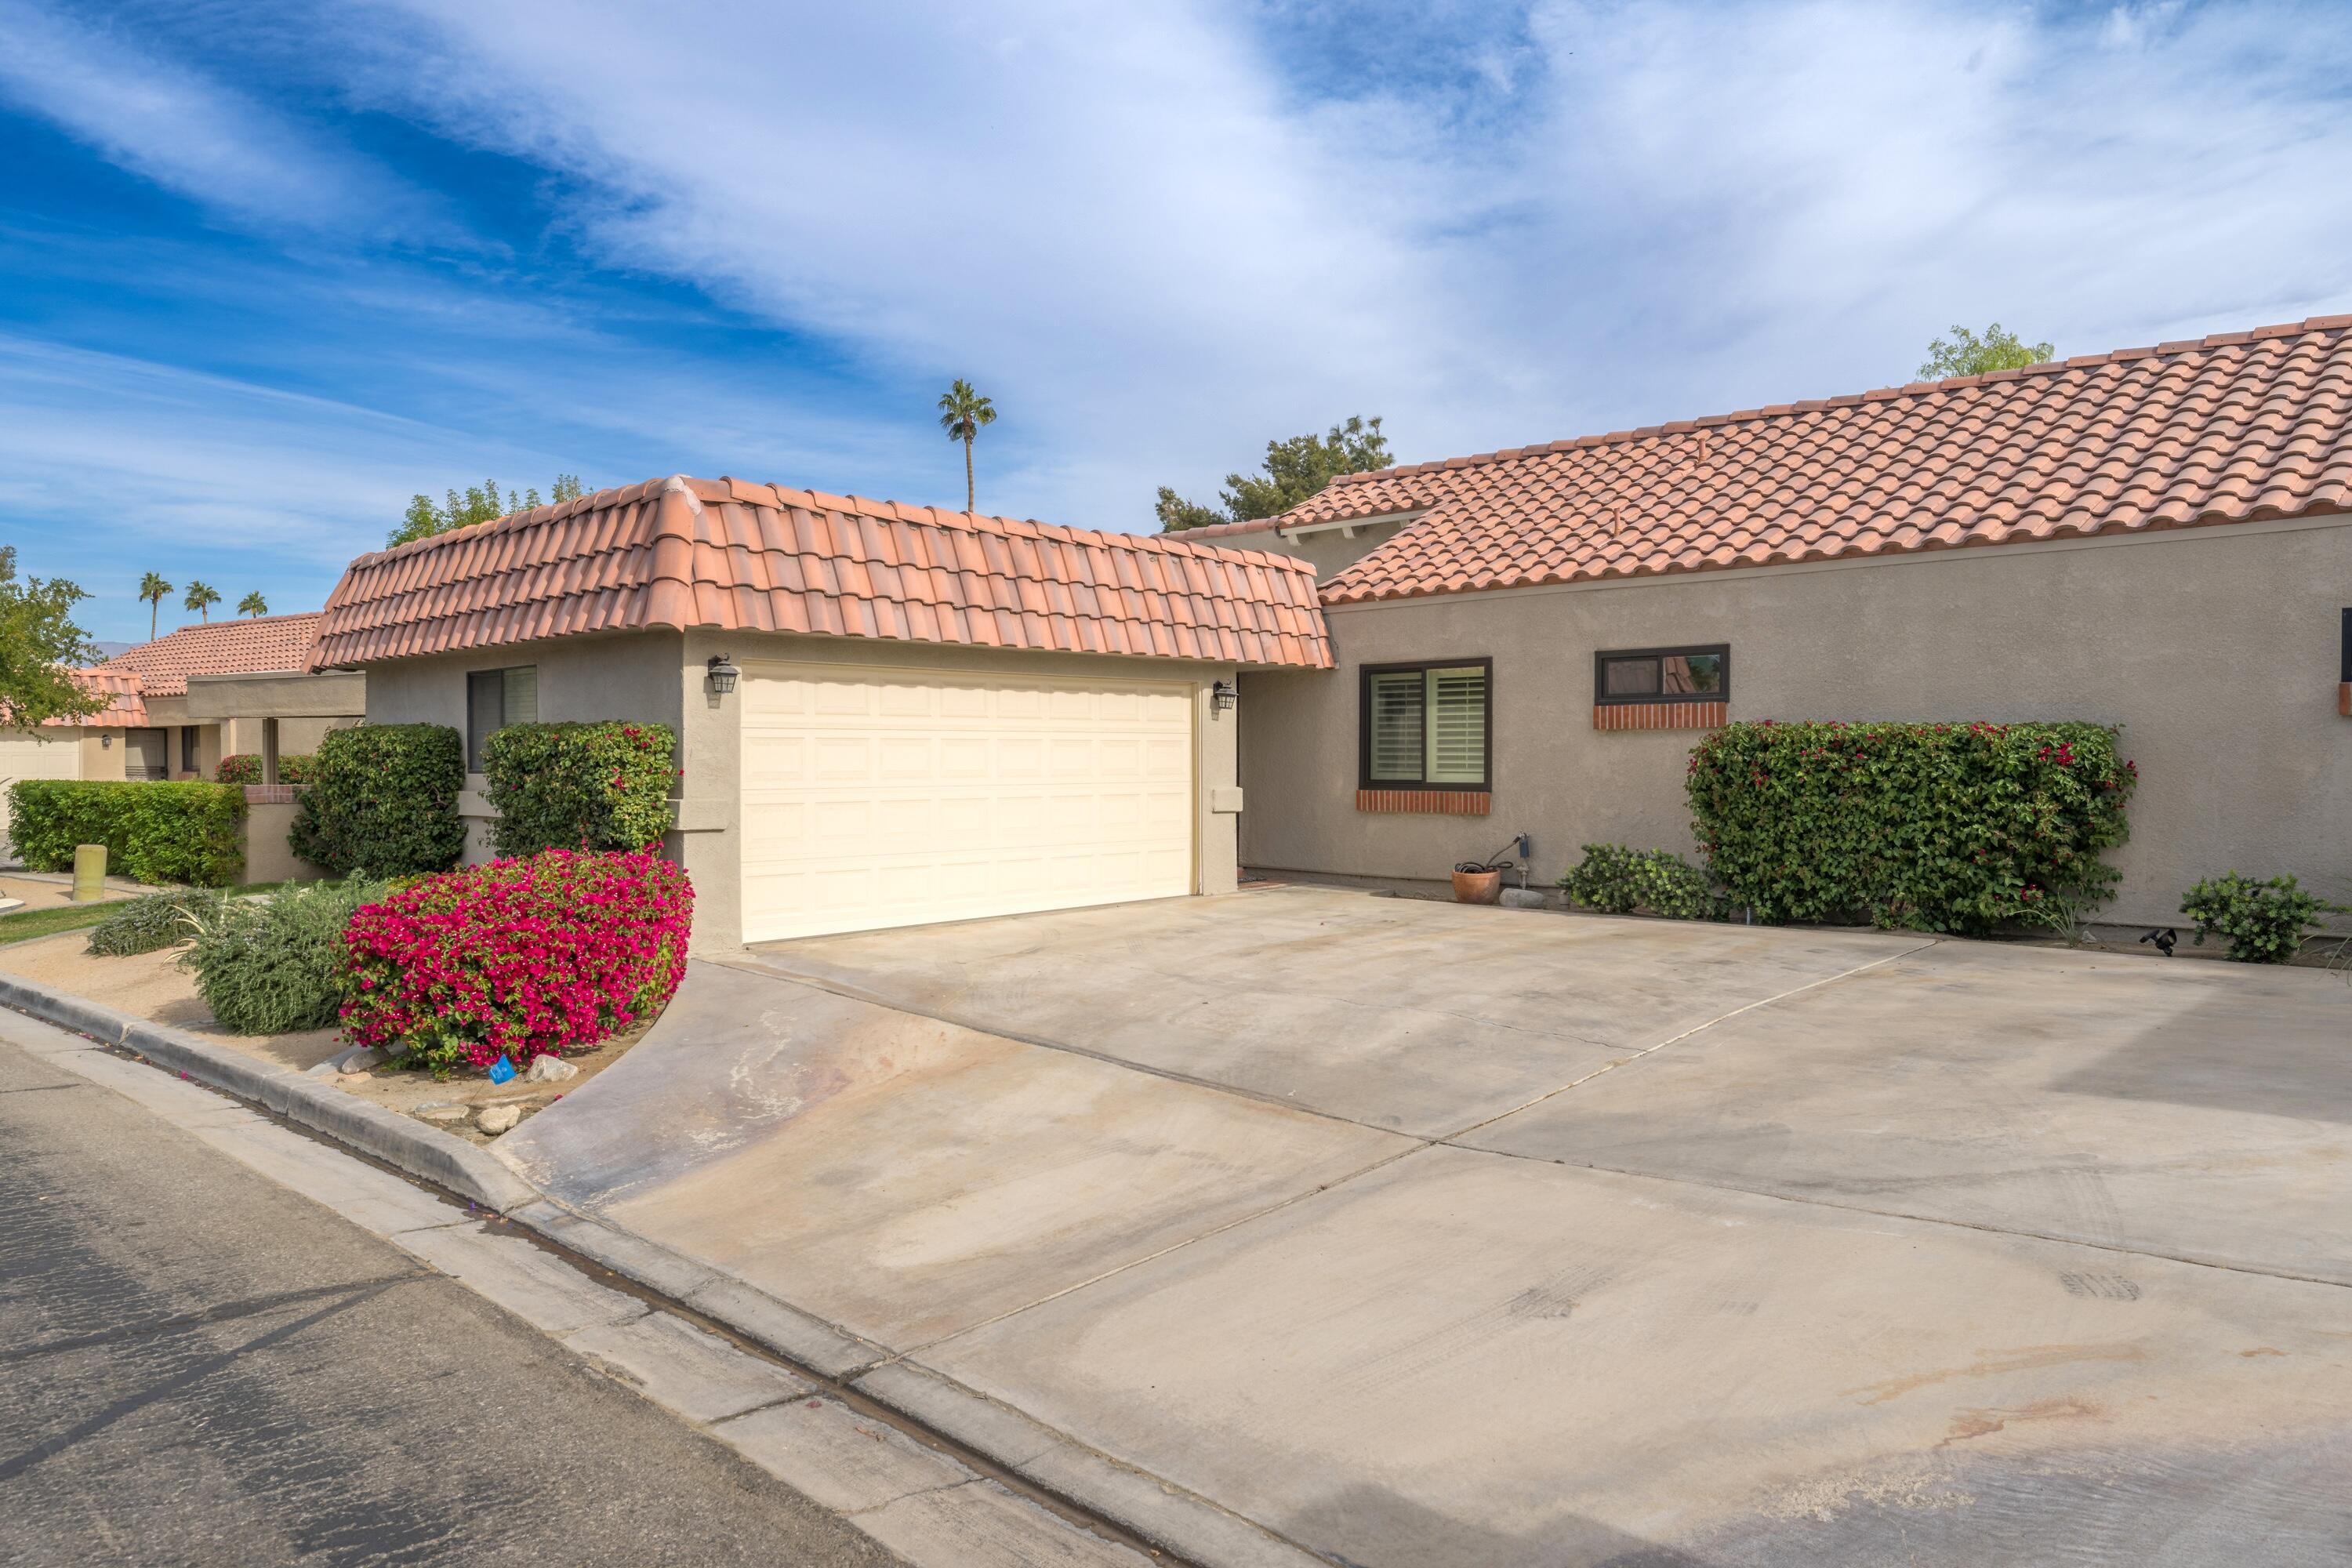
728 553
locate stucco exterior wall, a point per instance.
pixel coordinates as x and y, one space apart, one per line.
659 677
2216 648
633 676
102 756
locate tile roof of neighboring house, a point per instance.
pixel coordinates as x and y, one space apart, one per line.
682 552
249 645
2234 427
124 710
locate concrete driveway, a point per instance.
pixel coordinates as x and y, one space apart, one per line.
1416 1234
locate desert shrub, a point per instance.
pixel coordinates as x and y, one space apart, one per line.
1932 826
274 964
153 832
246 768
603 785
1618 881
383 798
519 958
2264 921
153 920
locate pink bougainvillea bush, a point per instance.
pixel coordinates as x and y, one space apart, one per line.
518 958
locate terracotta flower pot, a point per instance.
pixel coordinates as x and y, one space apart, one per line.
1477 887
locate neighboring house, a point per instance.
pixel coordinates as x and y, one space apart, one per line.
177 705
1533 639
885 714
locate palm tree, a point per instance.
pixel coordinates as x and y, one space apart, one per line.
963 412
153 588
201 598
253 604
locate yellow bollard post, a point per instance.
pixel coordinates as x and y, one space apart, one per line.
89 873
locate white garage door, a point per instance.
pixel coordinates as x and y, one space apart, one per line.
25 757
877 798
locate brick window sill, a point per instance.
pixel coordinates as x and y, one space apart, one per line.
1660 715
1428 802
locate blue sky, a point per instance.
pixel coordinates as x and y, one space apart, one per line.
270 268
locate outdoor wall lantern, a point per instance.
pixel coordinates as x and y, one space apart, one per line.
1223 696
106 743
722 674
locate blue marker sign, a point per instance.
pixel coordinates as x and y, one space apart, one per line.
502 1071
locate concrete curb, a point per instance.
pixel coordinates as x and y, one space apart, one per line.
1177 1520
399 1141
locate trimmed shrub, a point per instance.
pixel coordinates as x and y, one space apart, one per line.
152 921
244 768
153 832
383 798
1956 827
272 965
1618 881
519 958
603 785
2265 921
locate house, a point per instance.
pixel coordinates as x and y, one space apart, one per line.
177 705
885 714
1532 639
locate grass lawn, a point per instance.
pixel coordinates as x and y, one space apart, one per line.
26 924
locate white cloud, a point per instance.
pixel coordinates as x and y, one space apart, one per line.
1158 247
1160 235
190 134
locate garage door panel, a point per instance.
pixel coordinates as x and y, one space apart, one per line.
34 757
873 798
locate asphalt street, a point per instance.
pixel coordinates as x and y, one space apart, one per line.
198 1366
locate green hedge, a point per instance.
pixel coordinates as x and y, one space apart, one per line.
153 832
596 786
244 768
1618 881
1954 828
383 798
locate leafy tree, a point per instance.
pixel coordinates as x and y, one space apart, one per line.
1965 353
963 412
39 645
154 591
1294 470
201 597
253 604
481 503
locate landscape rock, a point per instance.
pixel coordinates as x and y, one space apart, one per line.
550 1070
1523 899
444 1115
360 1060
497 1119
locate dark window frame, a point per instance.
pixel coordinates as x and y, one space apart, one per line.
1603 698
476 740
1364 779
191 752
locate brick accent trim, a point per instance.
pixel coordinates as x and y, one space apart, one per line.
2344 698
1435 801
1660 715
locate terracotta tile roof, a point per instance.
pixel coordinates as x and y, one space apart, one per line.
251 645
2235 427
682 552
125 708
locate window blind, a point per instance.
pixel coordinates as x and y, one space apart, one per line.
1457 725
1396 743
